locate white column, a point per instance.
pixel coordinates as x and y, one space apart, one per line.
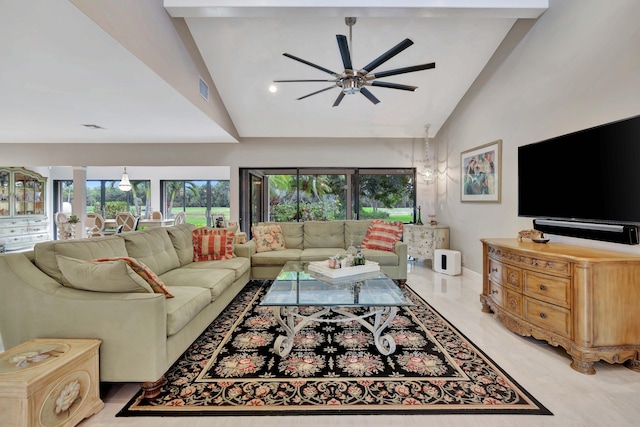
79 203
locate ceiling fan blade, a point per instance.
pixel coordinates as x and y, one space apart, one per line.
311 64
402 70
385 56
318 91
369 95
344 52
338 99
293 81
394 86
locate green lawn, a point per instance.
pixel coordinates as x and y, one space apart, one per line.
198 216
396 214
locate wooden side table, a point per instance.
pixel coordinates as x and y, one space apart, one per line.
50 382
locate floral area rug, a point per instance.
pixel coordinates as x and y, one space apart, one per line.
333 368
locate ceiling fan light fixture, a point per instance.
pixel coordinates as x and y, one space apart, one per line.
350 85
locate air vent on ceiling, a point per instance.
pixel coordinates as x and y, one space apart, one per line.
203 88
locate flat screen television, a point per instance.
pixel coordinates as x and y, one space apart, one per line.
592 175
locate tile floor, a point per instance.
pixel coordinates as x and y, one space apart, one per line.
609 398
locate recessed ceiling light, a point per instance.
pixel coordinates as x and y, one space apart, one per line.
273 89
90 126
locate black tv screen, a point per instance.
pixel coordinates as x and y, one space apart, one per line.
591 175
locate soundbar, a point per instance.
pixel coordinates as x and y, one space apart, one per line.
617 233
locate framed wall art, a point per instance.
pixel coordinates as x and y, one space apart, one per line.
480 173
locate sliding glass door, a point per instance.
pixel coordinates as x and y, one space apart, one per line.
325 194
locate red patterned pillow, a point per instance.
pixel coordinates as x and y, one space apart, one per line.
144 272
382 235
212 244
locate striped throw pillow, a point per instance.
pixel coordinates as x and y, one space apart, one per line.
211 244
382 235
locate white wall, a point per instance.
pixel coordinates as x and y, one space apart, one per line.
577 67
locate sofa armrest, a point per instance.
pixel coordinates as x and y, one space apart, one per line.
245 250
400 248
132 326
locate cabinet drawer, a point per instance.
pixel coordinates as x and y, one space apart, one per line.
505 274
556 290
495 270
548 316
496 292
512 276
513 301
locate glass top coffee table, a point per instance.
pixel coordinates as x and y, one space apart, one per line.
296 287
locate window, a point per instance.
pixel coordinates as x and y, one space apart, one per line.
200 200
105 198
306 194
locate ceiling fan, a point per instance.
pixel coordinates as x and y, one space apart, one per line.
352 81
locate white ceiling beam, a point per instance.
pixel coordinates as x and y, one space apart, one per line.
528 9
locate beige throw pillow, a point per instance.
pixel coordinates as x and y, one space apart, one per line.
268 238
110 276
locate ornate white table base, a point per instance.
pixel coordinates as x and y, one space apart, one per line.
285 315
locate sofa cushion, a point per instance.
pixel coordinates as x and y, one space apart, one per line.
321 254
293 233
188 302
144 272
211 244
214 280
382 235
356 229
181 238
268 238
276 257
153 248
110 276
239 265
381 257
45 253
323 234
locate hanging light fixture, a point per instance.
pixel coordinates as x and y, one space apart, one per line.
125 184
428 174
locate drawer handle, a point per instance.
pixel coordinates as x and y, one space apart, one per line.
543 287
494 270
543 316
494 291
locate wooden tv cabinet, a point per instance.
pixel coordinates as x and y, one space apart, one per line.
583 299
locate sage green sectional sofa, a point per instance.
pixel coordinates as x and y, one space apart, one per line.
142 333
317 241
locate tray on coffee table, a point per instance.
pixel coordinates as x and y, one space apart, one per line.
322 267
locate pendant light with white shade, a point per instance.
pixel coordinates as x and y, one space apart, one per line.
125 184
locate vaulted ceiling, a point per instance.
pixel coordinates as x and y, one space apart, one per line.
61 69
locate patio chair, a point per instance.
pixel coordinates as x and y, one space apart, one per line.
127 221
95 224
180 218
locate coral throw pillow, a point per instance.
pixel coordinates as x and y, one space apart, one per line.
211 244
144 272
382 235
268 238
